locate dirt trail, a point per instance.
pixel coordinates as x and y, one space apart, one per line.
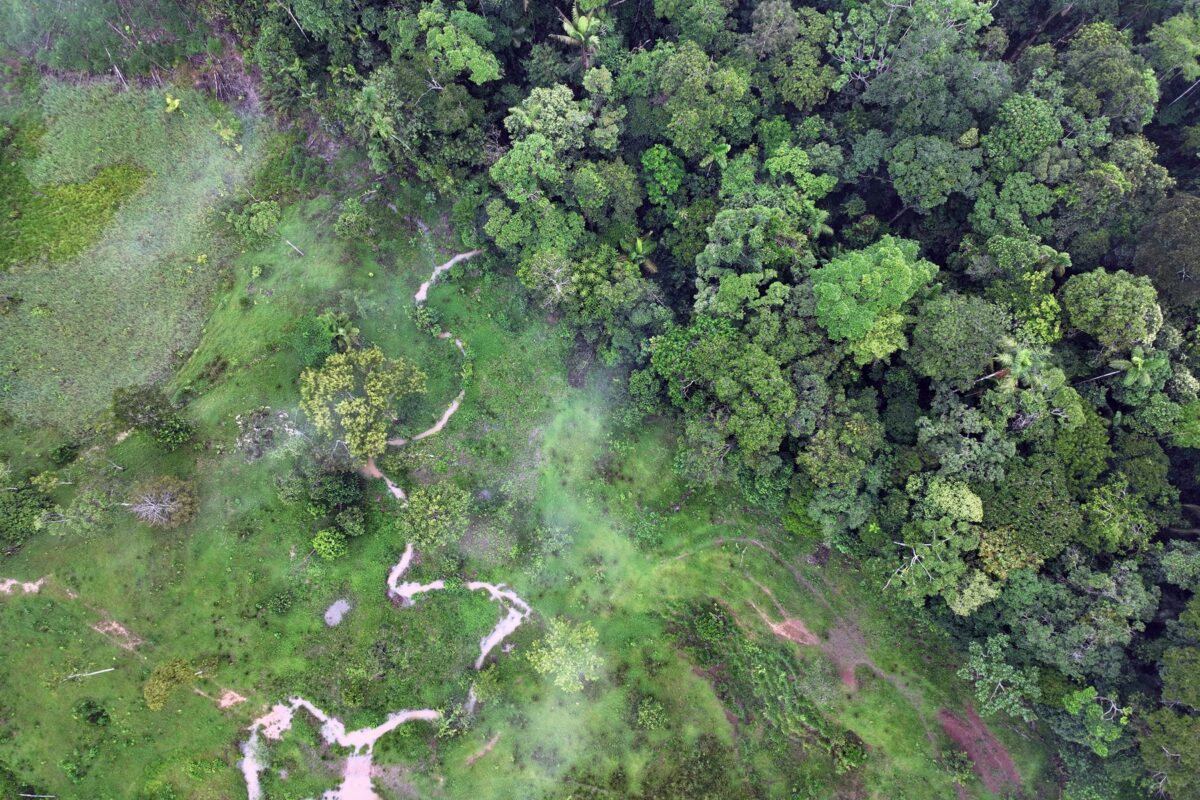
372 470
356 777
844 642
423 291
119 634
487 748
993 764
400 441
357 774
516 609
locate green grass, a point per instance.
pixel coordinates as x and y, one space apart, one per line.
122 309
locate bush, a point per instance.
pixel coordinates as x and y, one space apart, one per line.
20 512
256 222
90 711
64 454
354 221
163 680
172 431
435 515
330 544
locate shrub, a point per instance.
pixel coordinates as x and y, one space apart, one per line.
330 544
256 222
163 680
353 222
435 515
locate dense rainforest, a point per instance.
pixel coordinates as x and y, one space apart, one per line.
918 278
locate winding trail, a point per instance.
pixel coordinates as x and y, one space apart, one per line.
516 610
371 469
423 291
400 441
356 776
844 642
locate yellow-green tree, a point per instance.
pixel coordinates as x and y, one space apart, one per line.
352 397
568 654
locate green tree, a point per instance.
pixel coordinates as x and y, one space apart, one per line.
706 103
926 170
955 338
1169 249
999 686
1115 518
1118 310
1026 127
330 544
1103 718
856 288
712 372
352 397
568 654
1105 76
21 510
1170 749
456 42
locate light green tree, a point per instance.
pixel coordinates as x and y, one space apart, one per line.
352 397
855 289
568 654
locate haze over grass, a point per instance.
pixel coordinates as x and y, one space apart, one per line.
124 308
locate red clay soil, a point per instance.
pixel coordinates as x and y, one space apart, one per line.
993 764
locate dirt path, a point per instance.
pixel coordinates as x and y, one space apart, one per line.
372 470
423 291
400 441
357 774
516 610
993 764
844 643
356 777
487 748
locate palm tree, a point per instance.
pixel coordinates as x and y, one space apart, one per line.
638 251
581 31
717 155
1139 368
1023 365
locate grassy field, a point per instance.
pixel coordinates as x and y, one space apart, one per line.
111 271
583 521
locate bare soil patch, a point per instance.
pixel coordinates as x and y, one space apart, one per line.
119 634
993 764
